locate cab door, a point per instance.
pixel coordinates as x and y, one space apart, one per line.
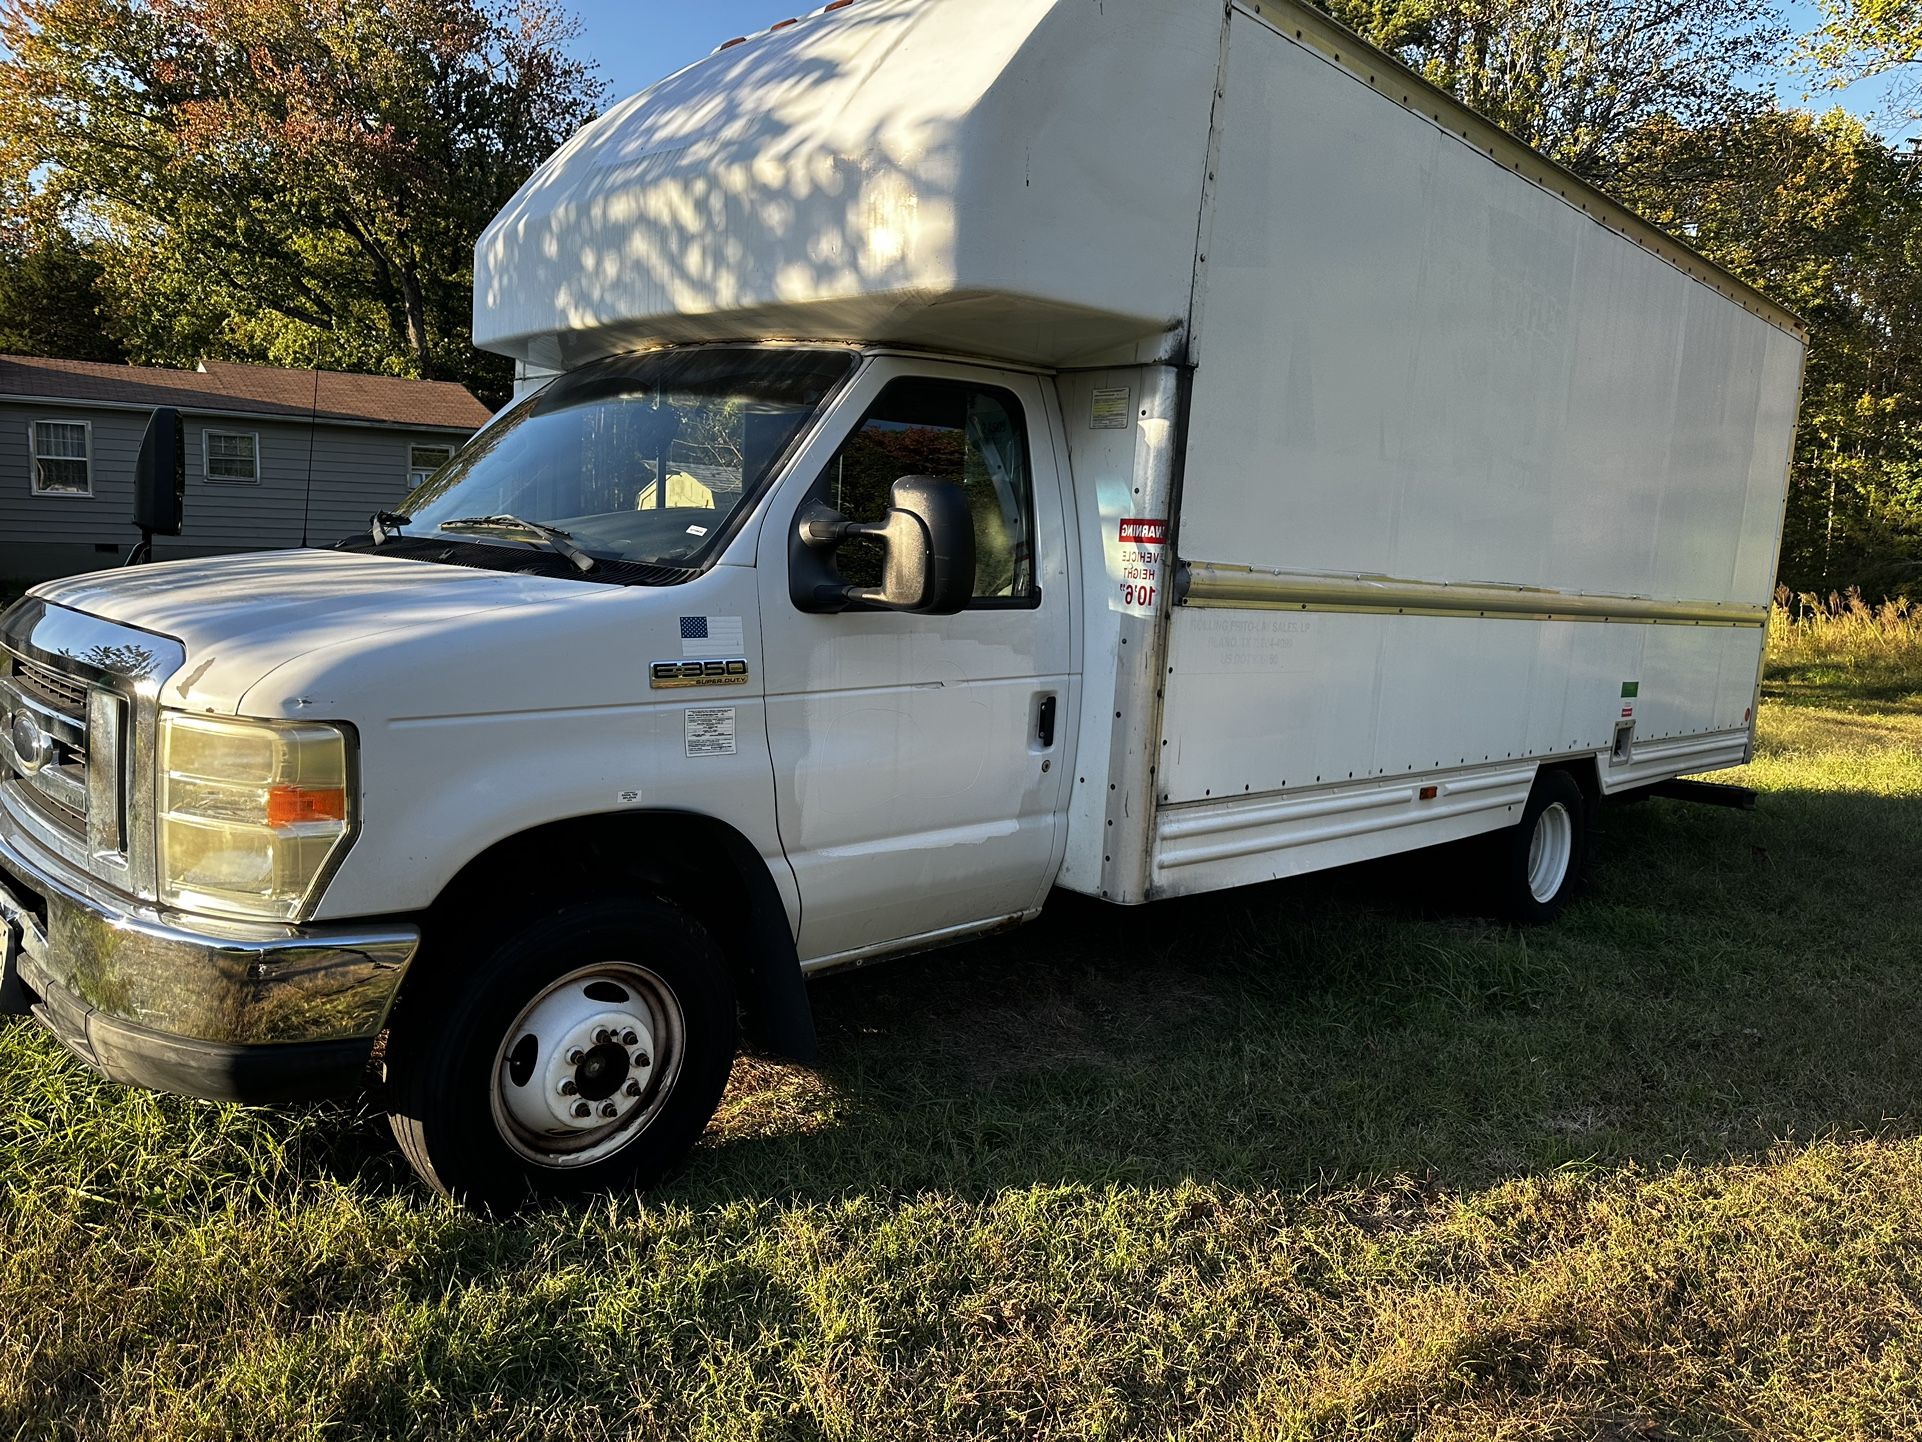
920 761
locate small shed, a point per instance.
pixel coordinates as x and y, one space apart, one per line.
275 458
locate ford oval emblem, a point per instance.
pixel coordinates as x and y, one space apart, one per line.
32 746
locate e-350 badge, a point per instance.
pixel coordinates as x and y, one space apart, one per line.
664 675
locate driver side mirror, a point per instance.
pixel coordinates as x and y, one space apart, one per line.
160 476
927 540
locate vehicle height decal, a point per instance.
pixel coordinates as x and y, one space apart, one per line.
1144 540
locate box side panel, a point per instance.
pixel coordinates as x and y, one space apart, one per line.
1473 483
1417 364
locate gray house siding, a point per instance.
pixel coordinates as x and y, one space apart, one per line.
354 471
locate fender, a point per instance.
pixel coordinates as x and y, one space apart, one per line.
672 853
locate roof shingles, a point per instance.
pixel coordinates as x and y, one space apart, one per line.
252 390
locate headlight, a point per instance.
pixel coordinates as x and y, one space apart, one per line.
252 813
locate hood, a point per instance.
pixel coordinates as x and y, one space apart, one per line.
242 616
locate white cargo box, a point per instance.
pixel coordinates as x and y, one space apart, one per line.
1453 468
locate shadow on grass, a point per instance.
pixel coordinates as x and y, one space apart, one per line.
1729 981
1841 684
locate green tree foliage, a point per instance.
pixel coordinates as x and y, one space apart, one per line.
1824 217
1865 37
1574 78
52 302
1651 99
295 181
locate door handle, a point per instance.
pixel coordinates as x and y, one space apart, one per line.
1044 723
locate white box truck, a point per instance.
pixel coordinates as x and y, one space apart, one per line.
970 447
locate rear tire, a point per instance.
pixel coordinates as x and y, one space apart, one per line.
585 1052
1542 860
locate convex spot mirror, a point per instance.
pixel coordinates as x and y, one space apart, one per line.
927 540
160 475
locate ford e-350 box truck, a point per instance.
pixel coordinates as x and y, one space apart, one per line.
965 448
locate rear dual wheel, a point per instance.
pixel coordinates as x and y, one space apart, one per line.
584 1051
1542 861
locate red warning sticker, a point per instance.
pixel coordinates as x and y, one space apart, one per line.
1143 540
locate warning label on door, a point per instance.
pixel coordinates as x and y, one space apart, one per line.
710 731
1110 409
1143 544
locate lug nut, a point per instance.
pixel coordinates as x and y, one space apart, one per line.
641 1058
633 1088
582 1109
630 1037
608 1109
567 1087
602 1036
576 1056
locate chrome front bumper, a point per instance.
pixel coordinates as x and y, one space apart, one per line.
193 1004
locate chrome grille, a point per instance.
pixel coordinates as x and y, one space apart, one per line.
56 688
90 686
55 808
57 705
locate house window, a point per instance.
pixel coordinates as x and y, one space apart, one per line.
62 458
232 456
423 461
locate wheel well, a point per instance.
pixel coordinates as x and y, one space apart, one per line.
1585 772
700 864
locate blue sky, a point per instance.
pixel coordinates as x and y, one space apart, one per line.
639 41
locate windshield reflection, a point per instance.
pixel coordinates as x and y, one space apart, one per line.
645 458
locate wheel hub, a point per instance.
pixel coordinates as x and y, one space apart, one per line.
579 1061
1551 849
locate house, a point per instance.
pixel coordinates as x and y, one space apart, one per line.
274 457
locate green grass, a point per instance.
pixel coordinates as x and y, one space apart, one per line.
1323 1159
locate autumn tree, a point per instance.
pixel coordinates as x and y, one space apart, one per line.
1859 38
297 181
1574 78
1824 217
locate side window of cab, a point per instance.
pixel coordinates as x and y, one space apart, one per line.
973 435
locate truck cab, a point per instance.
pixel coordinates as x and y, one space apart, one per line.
798 687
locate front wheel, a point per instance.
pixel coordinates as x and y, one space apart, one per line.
1542 860
586 1051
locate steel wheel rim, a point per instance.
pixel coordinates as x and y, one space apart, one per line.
1551 847
577 1025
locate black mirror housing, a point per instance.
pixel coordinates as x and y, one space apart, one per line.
160 475
928 540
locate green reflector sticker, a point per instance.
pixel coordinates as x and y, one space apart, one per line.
1631 688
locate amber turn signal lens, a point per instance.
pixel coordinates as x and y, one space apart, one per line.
291 805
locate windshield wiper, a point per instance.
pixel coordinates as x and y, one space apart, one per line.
554 536
385 525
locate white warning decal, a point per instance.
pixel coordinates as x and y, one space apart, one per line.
710 730
1110 409
1144 544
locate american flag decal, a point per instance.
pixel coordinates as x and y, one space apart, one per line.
711 636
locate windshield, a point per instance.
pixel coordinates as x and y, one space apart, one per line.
642 458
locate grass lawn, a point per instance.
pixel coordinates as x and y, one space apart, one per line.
1323 1159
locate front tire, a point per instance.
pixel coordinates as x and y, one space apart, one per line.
585 1052
1542 860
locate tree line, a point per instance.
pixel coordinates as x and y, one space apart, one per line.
300 182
